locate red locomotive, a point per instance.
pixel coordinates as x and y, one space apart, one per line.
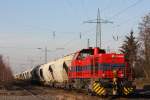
89 69
100 72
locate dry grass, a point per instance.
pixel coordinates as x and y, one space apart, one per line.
140 83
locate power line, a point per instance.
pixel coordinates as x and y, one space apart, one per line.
98 21
125 9
6 47
129 20
72 40
107 7
71 6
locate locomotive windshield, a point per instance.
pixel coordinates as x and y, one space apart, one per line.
84 53
101 51
88 52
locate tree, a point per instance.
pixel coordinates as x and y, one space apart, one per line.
144 38
129 48
5 72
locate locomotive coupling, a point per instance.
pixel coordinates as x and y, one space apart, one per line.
98 89
115 86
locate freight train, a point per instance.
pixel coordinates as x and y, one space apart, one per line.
90 69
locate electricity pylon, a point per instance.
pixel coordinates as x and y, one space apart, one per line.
98 22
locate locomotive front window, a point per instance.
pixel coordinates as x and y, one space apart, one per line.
102 51
84 53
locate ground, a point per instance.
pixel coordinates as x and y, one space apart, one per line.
46 93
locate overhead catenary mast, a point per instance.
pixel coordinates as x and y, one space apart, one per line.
98 22
88 43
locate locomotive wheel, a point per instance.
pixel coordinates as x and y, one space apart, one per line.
90 93
68 87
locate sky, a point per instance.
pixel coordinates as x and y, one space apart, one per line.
26 25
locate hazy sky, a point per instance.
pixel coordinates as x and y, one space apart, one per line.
26 25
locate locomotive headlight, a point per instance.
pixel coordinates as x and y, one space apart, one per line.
103 74
122 75
113 56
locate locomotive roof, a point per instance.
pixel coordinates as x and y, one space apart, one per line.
91 50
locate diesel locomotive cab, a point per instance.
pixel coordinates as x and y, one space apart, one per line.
100 72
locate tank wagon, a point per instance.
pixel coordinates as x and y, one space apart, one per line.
90 69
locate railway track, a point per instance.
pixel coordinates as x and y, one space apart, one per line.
34 92
24 92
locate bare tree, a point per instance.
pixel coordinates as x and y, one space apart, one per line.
144 37
5 72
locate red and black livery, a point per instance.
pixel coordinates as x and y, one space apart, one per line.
100 72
